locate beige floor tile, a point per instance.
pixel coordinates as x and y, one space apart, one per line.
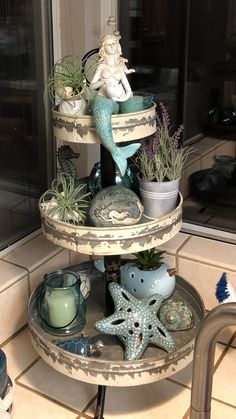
13 308
76 258
46 380
227 334
9 275
20 354
59 261
192 211
209 251
162 399
221 411
203 277
184 181
223 222
28 405
185 375
224 383
33 253
173 245
226 149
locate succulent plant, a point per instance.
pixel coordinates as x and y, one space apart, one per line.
66 202
149 260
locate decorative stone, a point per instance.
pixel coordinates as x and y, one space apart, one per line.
115 206
135 323
175 314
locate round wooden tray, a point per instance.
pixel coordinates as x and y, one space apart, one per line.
90 240
125 127
106 366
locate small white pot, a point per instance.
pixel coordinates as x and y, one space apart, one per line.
73 107
158 198
142 284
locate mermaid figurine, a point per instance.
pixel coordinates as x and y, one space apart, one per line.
113 87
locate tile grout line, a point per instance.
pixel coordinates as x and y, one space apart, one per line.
178 250
13 336
228 346
83 413
214 265
45 396
27 368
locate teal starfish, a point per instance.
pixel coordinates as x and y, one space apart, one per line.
135 323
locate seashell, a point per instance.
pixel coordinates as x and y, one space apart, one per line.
175 315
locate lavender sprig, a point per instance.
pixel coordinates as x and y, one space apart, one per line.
160 157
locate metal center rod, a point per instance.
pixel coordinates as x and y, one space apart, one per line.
100 402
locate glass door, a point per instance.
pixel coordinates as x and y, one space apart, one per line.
25 137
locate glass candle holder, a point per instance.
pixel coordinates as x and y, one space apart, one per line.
62 306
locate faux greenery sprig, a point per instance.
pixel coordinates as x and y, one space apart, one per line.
161 157
65 201
149 260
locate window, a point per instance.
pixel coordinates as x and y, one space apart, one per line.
184 52
25 137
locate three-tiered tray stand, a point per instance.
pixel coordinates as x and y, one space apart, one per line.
107 367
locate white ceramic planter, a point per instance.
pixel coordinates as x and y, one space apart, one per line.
158 198
142 284
73 107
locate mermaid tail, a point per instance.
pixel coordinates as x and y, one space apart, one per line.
102 109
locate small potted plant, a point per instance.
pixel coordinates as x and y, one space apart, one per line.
147 274
65 201
67 85
160 162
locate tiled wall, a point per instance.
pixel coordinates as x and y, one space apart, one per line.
200 261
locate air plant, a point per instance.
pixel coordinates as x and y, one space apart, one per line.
66 202
68 79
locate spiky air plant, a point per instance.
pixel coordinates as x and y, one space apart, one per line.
68 79
66 202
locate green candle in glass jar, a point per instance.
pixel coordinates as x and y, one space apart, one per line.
61 307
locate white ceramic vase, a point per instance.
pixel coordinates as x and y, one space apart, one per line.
73 107
142 284
158 198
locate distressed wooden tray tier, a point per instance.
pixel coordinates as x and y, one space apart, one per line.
90 240
125 127
106 366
